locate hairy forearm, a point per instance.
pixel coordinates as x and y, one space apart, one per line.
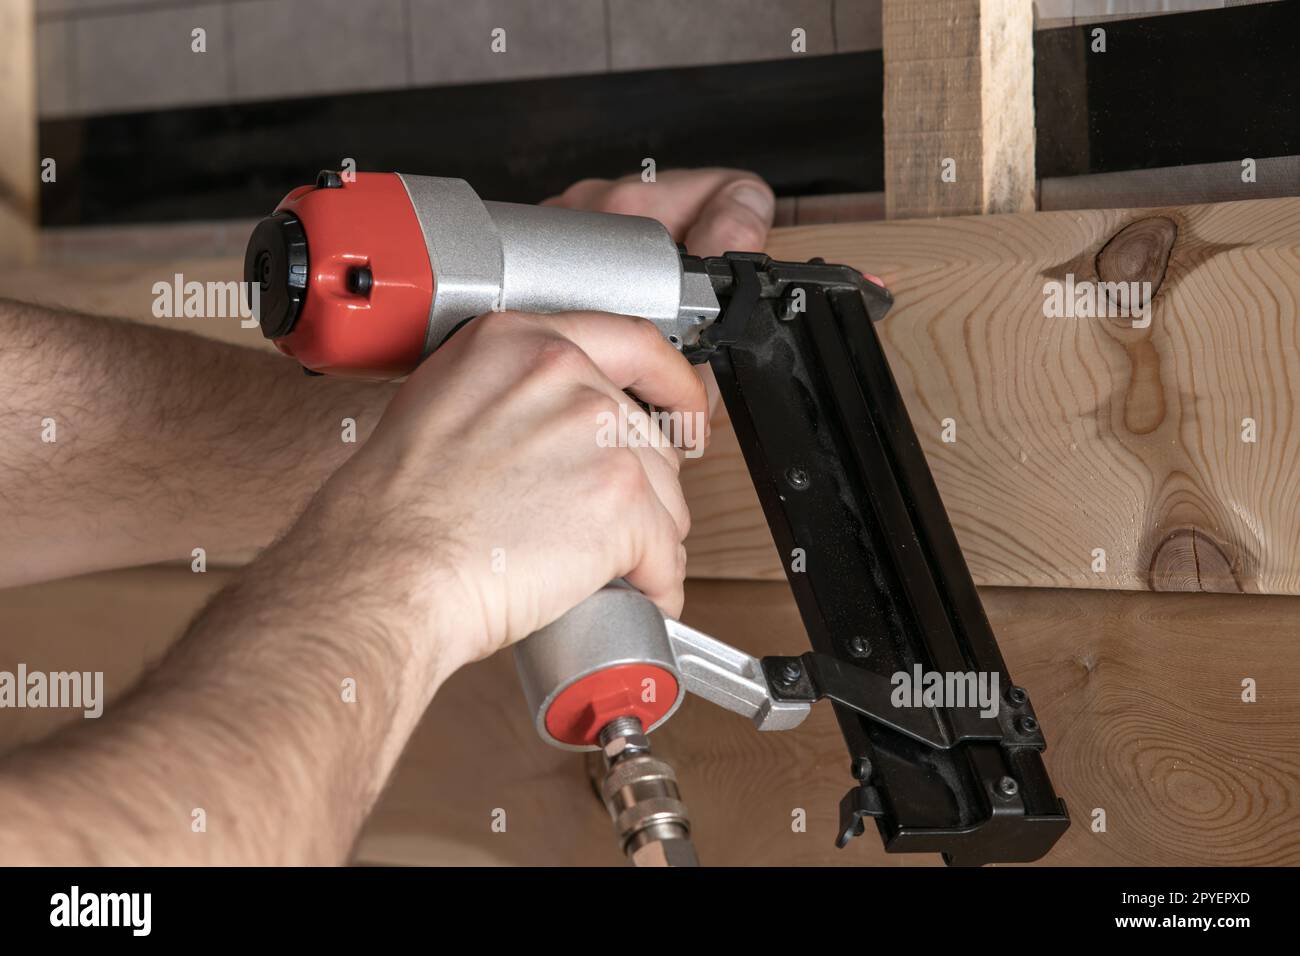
127 444
264 736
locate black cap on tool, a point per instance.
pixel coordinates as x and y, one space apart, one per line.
276 261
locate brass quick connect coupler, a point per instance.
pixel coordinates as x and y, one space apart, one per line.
641 794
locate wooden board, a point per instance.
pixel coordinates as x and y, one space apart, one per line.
959 107
1077 434
1139 694
1072 434
1140 698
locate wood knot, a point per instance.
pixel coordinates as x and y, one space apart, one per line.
1130 268
1138 253
1190 560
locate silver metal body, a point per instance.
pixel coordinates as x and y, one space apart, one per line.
491 256
620 625
730 678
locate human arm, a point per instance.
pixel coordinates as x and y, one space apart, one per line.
390 579
127 444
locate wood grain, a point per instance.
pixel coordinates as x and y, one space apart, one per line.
1072 434
959 87
1077 434
1140 697
1139 694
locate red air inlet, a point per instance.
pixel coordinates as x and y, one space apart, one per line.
578 712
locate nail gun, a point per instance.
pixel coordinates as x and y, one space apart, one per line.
365 275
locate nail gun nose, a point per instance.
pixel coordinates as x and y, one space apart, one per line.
276 263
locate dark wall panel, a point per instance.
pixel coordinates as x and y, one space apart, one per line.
809 125
1171 90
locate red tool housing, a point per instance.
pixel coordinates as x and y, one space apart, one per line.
364 224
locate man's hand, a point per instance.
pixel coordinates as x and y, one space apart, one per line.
486 493
712 211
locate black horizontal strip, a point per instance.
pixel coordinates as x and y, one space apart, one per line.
1172 90
809 125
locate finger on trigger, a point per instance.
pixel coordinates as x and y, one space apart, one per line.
634 355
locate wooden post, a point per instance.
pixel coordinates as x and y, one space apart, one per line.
18 168
959 107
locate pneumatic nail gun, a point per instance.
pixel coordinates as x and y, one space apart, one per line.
366 275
